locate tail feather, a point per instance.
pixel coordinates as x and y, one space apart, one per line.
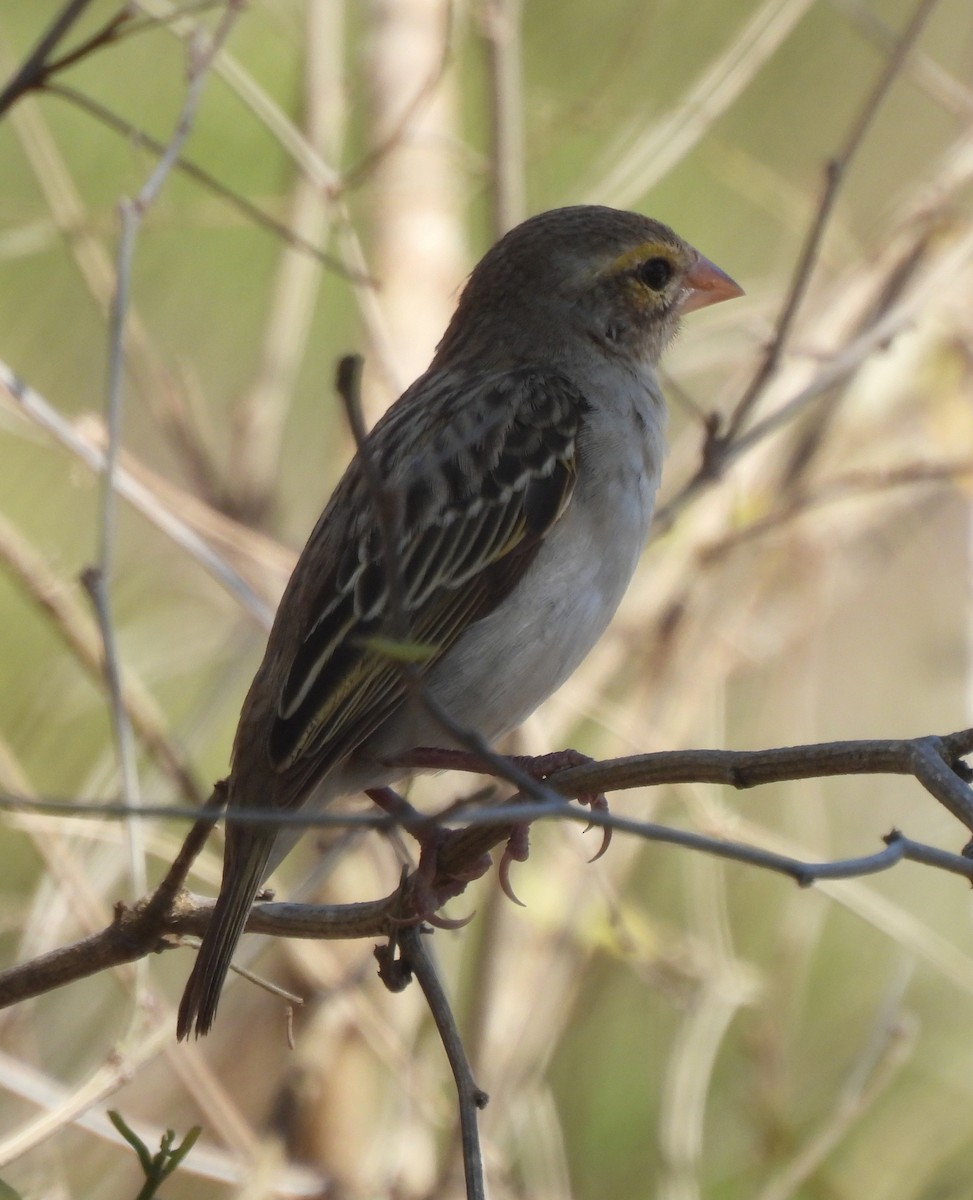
241 882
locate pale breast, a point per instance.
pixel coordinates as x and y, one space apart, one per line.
509 662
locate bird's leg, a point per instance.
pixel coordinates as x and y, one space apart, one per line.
406 815
430 887
542 766
539 767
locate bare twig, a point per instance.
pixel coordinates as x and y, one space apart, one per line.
72 623
164 897
38 69
835 172
259 418
185 166
936 762
501 32
140 931
723 444
414 957
853 484
97 579
839 367
32 405
33 70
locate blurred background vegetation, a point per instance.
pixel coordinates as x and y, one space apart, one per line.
655 1024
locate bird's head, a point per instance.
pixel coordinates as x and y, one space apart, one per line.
587 276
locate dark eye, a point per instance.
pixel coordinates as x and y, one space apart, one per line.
655 273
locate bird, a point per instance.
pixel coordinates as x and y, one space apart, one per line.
523 465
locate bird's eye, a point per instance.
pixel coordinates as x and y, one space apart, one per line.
655 273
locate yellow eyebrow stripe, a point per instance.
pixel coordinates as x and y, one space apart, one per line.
639 254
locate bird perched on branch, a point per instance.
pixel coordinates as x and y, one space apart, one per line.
523 465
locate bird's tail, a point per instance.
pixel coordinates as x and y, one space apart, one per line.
244 869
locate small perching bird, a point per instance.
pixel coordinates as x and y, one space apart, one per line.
525 462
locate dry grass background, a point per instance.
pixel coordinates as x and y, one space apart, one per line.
658 1023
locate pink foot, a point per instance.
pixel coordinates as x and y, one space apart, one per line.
539 767
430 887
542 766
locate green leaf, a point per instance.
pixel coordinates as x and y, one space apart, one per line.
133 1139
176 1156
155 1167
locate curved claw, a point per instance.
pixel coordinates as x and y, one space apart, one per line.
599 802
517 849
503 874
450 922
606 839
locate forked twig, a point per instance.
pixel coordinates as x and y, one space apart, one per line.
723 442
835 173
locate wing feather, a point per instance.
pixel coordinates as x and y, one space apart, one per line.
477 498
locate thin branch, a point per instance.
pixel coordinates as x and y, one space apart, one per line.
143 930
851 485
164 897
740 769
32 72
35 408
835 173
935 761
191 170
501 33
98 579
39 68
123 25
724 443
72 623
415 958
202 58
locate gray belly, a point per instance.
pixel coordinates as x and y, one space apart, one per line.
509 662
